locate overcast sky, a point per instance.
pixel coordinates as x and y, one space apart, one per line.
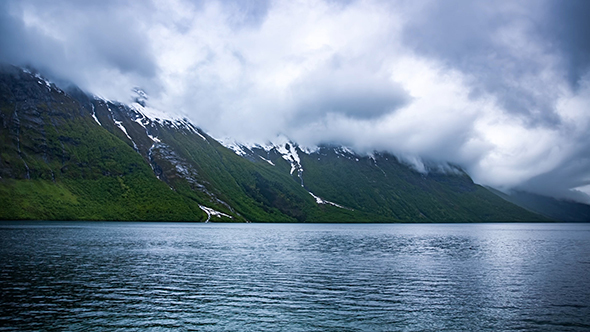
500 87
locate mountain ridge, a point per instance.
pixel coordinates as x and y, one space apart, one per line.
207 181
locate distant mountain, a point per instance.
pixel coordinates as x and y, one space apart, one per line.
555 209
69 155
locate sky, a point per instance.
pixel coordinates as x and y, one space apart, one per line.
498 87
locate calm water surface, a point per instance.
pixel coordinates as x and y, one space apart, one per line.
294 277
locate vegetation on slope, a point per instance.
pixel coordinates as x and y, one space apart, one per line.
58 163
384 186
559 210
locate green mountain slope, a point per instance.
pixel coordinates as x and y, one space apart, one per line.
67 155
56 162
559 210
198 167
385 188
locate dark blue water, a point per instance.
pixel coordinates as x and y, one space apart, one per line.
294 277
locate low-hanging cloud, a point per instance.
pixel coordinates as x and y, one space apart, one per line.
353 92
89 43
501 88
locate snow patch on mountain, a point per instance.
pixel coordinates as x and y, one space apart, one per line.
149 114
122 127
281 144
140 106
267 160
231 144
94 116
211 212
154 138
320 200
345 152
309 150
243 148
186 124
43 81
152 113
289 152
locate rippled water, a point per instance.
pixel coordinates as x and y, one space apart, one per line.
294 277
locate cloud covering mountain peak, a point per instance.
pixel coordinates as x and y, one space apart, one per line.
500 88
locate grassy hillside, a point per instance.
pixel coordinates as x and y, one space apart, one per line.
68 156
255 191
58 163
558 210
384 186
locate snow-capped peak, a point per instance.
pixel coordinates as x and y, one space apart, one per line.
281 144
42 80
233 145
164 119
289 152
140 105
242 148
151 113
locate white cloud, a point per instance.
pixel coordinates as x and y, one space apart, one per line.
472 84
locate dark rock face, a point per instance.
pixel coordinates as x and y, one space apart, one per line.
28 106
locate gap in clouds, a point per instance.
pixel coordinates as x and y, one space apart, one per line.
500 88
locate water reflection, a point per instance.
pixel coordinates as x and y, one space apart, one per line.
295 277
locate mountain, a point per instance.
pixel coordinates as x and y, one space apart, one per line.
56 162
70 155
552 208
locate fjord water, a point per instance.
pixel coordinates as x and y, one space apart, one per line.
294 277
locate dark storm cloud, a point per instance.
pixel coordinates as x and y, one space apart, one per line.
24 46
67 38
491 42
559 181
567 24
